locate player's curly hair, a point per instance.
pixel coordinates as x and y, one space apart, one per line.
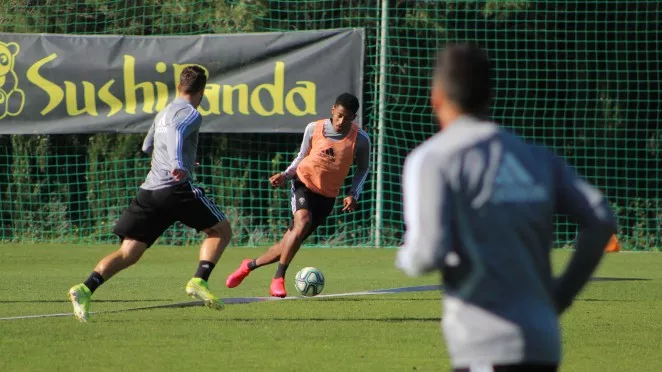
348 101
192 79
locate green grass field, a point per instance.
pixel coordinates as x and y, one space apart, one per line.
614 326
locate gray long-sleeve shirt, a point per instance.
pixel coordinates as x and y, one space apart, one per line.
172 141
479 206
361 154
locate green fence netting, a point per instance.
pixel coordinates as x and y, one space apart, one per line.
582 77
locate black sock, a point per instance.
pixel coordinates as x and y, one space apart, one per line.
204 270
253 265
280 272
94 281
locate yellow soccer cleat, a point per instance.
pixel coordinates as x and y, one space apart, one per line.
197 288
80 296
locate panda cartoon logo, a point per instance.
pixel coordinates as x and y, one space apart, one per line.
12 98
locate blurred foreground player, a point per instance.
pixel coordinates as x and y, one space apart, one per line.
167 196
329 148
479 206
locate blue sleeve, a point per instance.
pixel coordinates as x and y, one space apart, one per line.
362 161
183 124
577 199
586 207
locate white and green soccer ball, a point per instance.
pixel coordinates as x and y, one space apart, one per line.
309 281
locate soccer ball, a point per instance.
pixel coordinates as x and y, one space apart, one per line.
309 281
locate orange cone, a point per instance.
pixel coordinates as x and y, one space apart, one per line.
612 245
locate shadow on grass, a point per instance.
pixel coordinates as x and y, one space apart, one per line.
326 299
370 299
599 279
298 319
67 301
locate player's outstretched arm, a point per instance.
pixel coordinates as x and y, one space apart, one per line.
148 143
585 206
304 150
427 214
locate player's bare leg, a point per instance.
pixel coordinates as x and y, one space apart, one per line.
270 256
80 295
294 237
218 238
290 242
128 254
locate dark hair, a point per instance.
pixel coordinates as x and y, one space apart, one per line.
464 73
348 101
192 79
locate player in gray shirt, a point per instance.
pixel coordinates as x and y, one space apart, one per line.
167 196
479 207
176 145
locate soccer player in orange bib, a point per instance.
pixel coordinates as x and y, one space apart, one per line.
329 148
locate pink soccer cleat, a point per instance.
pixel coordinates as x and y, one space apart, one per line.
238 275
278 288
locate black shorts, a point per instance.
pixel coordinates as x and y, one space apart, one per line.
152 212
513 368
319 206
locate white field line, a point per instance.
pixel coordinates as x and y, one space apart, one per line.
241 300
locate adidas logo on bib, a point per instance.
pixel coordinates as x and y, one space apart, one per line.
328 154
